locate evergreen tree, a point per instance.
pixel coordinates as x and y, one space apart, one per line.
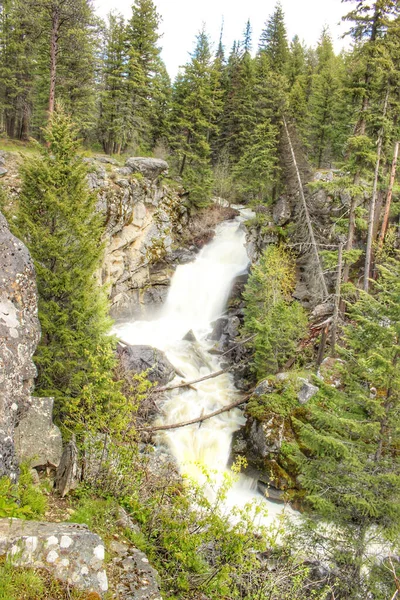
323 102
270 312
114 119
18 41
146 72
59 224
273 40
196 100
349 463
237 119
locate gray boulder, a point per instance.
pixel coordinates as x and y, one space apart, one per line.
3 171
19 335
307 391
150 168
281 212
138 580
137 359
70 552
37 439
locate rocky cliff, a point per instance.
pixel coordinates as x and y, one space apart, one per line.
142 214
19 335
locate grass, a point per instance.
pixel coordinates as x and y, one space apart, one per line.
33 584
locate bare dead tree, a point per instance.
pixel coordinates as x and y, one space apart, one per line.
307 215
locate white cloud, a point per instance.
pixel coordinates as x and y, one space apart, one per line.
182 19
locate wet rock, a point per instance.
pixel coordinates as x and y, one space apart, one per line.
190 337
271 492
151 168
155 295
37 439
139 359
219 327
307 391
281 212
70 552
182 256
19 335
265 437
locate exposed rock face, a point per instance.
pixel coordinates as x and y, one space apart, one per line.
70 552
19 335
141 214
282 211
136 359
36 438
151 168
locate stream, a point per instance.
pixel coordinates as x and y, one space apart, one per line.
197 296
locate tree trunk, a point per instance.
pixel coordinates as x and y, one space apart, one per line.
307 214
335 317
389 196
371 217
55 25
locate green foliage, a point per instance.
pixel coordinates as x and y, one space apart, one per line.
23 500
196 101
350 464
270 313
28 584
59 224
273 40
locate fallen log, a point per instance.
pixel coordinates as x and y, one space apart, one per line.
199 419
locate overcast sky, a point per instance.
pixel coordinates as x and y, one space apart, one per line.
182 19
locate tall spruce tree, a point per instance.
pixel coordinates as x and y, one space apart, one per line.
58 221
114 115
146 72
323 102
273 40
349 437
196 101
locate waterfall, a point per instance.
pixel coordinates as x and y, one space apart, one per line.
197 296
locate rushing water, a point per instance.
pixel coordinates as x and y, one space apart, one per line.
197 296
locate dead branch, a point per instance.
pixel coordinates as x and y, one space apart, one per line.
307 214
168 388
199 419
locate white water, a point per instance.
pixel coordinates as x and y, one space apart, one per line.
197 296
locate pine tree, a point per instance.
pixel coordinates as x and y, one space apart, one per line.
273 40
18 40
59 224
114 119
323 102
196 100
349 463
146 72
270 313
237 119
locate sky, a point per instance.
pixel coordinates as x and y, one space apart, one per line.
182 20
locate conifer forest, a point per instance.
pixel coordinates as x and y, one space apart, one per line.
199 308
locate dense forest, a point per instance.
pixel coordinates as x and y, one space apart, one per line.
264 125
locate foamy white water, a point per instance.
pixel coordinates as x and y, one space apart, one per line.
197 297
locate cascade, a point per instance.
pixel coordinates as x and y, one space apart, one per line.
198 294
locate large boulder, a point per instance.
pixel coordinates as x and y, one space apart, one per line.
19 335
139 359
282 211
70 552
37 439
150 168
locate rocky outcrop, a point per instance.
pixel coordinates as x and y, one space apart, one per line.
139 359
70 552
19 335
269 430
37 439
141 213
